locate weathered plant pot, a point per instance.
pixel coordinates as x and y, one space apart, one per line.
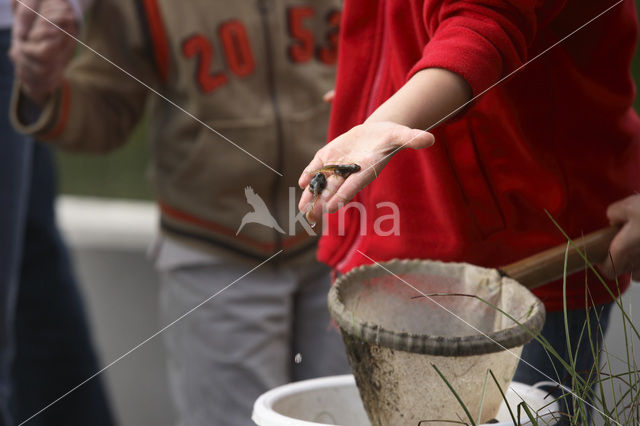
402 318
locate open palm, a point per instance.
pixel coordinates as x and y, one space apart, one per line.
371 146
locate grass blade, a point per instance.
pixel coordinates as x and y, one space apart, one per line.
532 418
484 390
464 407
504 398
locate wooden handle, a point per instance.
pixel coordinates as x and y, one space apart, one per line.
548 265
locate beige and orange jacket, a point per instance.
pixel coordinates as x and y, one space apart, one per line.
253 70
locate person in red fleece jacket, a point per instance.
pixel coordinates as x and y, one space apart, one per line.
559 138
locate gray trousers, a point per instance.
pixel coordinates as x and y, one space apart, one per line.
245 341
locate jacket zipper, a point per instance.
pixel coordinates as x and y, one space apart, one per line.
264 14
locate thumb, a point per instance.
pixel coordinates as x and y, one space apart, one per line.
328 97
417 139
25 15
14 50
624 253
623 210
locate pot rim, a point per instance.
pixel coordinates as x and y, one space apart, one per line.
478 344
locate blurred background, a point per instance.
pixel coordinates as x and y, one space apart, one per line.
108 216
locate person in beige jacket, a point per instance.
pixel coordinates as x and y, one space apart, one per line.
255 71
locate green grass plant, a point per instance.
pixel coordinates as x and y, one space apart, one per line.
588 389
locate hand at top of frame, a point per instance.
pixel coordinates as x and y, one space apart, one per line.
351 161
40 51
625 247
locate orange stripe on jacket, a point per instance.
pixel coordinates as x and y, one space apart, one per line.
158 37
182 216
211 226
63 114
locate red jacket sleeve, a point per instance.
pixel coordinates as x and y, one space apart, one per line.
481 40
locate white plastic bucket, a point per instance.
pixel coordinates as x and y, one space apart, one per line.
330 401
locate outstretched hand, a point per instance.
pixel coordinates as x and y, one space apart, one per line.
625 247
371 146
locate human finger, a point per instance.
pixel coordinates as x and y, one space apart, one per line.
349 188
30 68
328 97
315 207
625 247
24 17
14 51
59 15
406 137
38 80
308 171
624 253
43 31
313 204
305 200
621 211
53 54
40 50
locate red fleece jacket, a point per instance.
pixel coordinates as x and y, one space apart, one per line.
560 136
